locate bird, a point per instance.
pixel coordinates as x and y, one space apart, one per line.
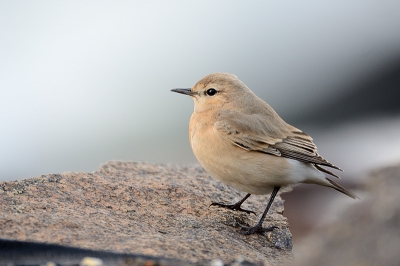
240 140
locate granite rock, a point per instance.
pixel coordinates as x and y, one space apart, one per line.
142 208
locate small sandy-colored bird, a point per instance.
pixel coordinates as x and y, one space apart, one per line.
240 140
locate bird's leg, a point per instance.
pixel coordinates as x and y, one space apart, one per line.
235 206
258 227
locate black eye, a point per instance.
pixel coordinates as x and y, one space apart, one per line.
211 92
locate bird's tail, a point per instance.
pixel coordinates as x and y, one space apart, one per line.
339 188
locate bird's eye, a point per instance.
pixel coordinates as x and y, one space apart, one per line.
211 92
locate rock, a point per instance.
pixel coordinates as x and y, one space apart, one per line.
142 208
366 233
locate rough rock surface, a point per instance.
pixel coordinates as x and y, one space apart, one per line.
367 233
142 208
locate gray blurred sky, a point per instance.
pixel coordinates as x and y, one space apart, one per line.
84 82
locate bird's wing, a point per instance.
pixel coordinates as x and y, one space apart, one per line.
299 146
272 136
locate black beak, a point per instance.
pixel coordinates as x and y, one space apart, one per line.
184 91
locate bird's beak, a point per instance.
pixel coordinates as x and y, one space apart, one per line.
184 91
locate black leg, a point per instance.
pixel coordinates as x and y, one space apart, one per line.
258 227
235 206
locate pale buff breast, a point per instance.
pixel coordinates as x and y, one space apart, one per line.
249 171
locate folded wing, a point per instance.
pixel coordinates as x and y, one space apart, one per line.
271 135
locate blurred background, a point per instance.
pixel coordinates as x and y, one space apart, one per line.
85 82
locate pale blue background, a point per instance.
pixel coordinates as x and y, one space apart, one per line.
85 82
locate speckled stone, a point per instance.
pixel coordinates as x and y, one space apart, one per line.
142 208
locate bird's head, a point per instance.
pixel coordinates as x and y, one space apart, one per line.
215 91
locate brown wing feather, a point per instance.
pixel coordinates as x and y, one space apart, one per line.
276 138
326 171
303 150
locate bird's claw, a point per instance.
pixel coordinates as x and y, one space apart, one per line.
234 207
256 229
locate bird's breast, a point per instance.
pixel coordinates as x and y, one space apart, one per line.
249 171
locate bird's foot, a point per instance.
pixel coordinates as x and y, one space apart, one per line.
235 207
256 229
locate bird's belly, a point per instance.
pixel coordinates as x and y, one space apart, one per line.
249 171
